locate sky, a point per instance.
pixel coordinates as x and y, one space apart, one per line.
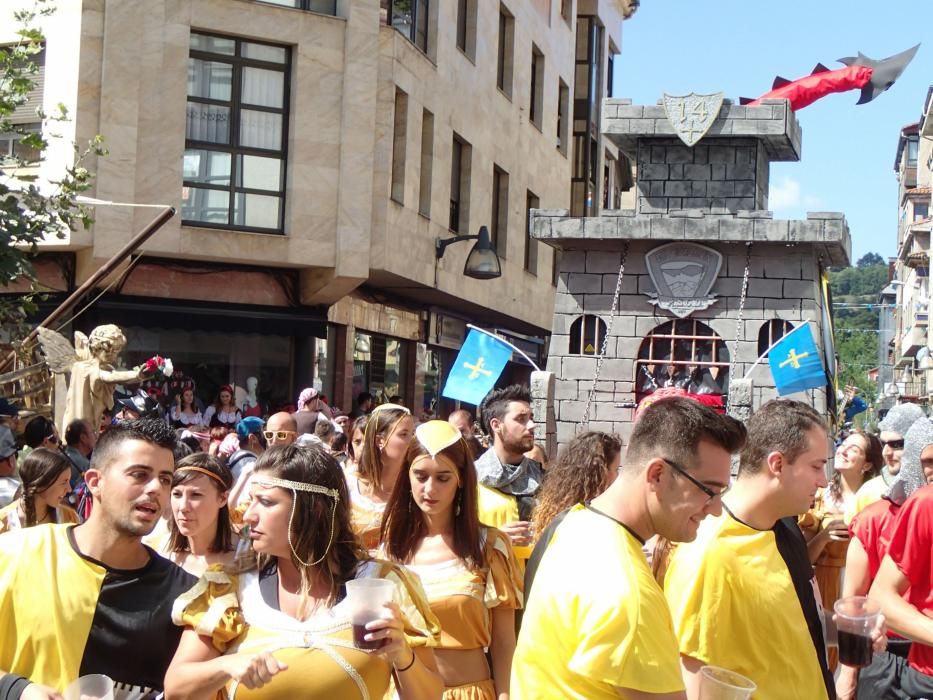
739 46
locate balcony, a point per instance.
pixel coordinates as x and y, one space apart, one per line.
914 339
915 388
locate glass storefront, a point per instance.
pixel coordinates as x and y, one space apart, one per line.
380 366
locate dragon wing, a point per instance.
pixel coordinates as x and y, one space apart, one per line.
58 352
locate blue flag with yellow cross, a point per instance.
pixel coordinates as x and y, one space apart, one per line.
795 362
479 364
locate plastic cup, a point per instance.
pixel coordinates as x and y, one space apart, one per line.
366 598
722 684
95 686
856 619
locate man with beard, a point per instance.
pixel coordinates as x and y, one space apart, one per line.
76 600
892 430
508 480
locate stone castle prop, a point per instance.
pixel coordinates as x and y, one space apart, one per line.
691 286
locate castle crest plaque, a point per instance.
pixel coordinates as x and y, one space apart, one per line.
683 274
692 115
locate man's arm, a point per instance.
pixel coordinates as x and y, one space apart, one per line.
15 687
857 581
888 589
690 668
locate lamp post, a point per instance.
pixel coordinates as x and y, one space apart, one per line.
482 263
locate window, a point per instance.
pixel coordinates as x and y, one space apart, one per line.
460 186
236 129
610 70
586 335
684 353
506 47
566 10
14 149
531 244
535 104
399 143
771 332
466 27
921 211
324 7
499 221
586 116
410 17
912 147
563 115
613 180
427 160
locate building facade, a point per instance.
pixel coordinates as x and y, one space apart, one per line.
315 150
912 362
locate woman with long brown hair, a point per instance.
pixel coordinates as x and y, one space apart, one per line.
389 429
468 570
285 625
46 480
585 468
200 531
223 412
826 525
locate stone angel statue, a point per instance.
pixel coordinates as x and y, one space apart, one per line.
90 362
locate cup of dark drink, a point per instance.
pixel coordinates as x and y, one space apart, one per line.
366 598
856 619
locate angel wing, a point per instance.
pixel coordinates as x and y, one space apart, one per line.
58 352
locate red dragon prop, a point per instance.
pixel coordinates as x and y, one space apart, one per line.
872 77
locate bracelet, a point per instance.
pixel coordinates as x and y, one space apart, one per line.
12 685
414 657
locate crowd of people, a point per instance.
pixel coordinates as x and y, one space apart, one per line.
203 568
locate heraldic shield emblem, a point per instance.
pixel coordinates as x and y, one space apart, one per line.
692 115
683 274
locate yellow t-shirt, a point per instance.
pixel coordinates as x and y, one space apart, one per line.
596 619
734 605
496 509
869 492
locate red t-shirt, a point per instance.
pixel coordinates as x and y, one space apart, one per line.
873 527
911 547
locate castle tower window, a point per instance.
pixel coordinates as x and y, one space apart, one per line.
771 332
586 335
686 354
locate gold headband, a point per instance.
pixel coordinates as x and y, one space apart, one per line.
294 487
439 459
203 471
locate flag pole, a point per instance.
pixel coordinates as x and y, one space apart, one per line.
503 340
771 347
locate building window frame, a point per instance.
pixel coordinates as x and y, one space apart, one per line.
460 166
506 51
414 24
587 333
536 93
399 146
685 353
321 7
234 148
532 201
466 28
770 332
499 221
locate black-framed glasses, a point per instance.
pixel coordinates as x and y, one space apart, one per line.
893 444
710 494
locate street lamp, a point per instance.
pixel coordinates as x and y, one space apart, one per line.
482 263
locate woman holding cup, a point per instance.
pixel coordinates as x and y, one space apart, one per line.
826 525
469 571
300 604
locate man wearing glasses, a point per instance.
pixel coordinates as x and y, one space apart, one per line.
892 431
742 594
596 624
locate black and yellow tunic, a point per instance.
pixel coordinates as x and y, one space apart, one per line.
65 615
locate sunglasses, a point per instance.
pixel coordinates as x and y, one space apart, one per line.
893 444
710 494
278 434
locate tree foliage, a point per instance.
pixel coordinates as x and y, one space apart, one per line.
855 296
32 211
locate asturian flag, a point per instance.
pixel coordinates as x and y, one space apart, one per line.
479 364
795 362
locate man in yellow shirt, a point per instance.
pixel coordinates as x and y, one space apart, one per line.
742 594
596 625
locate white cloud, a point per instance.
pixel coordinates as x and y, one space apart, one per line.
786 195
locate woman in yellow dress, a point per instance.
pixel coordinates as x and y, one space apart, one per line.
46 479
282 629
389 429
826 524
469 571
